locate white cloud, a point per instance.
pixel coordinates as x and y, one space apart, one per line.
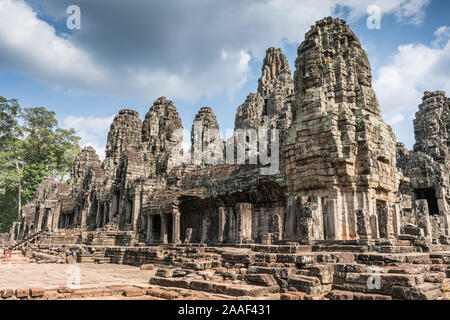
28 44
396 119
442 34
92 130
415 68
171 48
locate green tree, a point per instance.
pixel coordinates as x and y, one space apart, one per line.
10 162
32 147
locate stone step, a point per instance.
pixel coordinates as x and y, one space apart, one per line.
215 287
340 248
349 295
394 249
102 260
307 284
281 248
424 291
85 259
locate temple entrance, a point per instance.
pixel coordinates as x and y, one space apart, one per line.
115 204
106 214
129 212
429 195
156 228
45 219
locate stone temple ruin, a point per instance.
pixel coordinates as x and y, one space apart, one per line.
344 185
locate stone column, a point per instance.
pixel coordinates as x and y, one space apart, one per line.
57 216
51 214
204 230
149 236
163 228
397 222
176 228
423 217
362 224
231 223
374 227
114 206
244 221
105 214
385 222
84 211
331 222
41 216
97 220
222 221
135 212
289 225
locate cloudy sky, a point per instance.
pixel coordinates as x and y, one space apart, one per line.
203 53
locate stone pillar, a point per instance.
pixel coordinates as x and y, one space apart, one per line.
385 222
97 219
277 227
176 228
106 213
289 225
205 225
149 236
222 221
57 216
51 213
423 217
374 227
231 224
363 224
114 206
135 212
244 221
331 220
163 228
397 219
39 222
84 211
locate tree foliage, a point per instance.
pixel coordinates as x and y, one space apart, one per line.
32 147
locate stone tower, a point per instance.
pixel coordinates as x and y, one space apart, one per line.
84 161
340 155
124 134
207 145
161 133
429 163
270 107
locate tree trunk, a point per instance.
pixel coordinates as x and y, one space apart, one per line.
20 191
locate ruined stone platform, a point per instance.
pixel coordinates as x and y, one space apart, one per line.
288 272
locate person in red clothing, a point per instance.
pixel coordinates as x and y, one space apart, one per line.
10 252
